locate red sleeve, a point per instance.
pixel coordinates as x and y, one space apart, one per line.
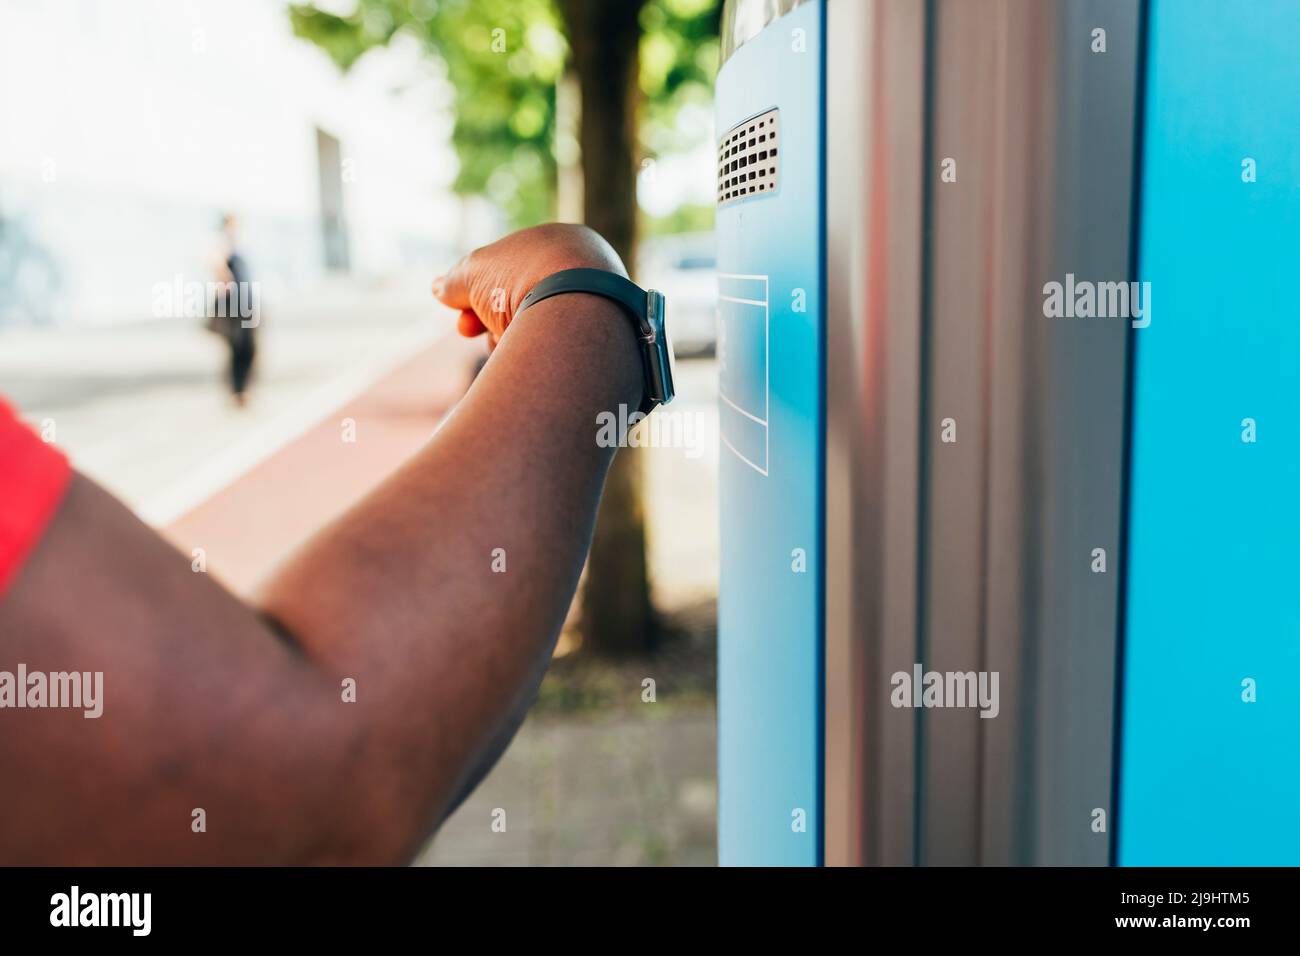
33 477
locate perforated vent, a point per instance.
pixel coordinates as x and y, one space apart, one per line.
748 164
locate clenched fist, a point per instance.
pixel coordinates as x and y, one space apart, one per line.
489 283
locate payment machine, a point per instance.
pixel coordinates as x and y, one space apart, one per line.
929 466
770 341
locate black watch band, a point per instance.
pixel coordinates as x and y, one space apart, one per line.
644 307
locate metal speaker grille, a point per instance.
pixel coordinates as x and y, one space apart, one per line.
748 164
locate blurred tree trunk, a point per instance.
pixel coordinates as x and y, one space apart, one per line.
604 36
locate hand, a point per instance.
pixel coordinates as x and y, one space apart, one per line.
489 283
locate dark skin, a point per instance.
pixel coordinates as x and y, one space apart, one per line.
238 708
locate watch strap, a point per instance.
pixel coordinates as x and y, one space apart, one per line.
623 292
610 285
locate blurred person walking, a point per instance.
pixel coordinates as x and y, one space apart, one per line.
234 312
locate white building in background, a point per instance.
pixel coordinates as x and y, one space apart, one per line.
128 126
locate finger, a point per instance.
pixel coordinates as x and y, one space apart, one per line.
452 289
468 324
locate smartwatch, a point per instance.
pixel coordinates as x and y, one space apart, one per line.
644 307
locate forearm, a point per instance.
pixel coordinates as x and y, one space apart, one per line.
405 593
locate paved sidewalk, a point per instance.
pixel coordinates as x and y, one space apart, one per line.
142 407
249 525
634 789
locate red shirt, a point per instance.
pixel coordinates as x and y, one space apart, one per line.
33 478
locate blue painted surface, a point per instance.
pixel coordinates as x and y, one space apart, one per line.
1214 566
769 655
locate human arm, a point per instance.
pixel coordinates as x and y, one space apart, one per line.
236 708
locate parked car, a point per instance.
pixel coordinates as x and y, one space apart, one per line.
684 269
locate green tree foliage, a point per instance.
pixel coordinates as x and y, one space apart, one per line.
504 58
679 60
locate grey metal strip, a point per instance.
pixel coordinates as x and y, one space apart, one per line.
875 88
1041 128
1082 369
973 555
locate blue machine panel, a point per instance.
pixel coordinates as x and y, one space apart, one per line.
770 379
1214 545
